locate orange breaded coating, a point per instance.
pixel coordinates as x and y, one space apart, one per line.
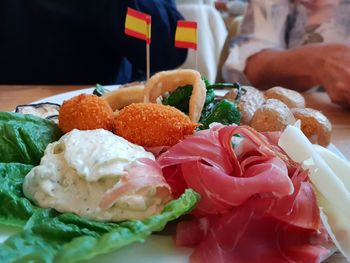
85 112
151 124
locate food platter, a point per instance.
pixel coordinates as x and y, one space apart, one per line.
157 248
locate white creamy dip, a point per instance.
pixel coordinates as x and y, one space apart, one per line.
76 172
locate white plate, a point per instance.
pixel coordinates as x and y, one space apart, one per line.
156 249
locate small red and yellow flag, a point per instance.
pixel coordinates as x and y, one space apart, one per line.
186 34
138 25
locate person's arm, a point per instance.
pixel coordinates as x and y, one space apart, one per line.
264 27
304 67
293 69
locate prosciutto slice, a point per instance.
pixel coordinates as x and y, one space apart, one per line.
257 205
144 174
210 166
243 236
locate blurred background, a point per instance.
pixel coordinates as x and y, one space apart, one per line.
50 42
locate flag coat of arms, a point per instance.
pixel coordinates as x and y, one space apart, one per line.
138 25
186 34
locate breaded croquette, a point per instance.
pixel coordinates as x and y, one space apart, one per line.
150 124
85 112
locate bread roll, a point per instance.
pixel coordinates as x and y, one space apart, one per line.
291 98
273 115
314 125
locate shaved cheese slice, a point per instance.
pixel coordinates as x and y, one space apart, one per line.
336 224
329 175
340 167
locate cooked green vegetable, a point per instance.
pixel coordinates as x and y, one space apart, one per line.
210 97
23 138
52 237
181 96
15 209
100 90
224 86
224 111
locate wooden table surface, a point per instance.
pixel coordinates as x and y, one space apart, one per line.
10 96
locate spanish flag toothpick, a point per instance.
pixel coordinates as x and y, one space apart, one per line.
186 36
138 25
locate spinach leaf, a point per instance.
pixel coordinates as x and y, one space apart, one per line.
180 97
23 138
15 209
225 112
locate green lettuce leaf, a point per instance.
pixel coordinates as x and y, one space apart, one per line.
52 237
23 138
15 209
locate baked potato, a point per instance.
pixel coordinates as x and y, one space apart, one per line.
291 98
249 102
316 126
273 115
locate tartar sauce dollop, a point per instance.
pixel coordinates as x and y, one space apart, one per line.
77 171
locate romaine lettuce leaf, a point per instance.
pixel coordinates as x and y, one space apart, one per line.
15 209
23 138
52 237
127 232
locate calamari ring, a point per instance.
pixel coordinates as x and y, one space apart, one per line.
168 81
124 96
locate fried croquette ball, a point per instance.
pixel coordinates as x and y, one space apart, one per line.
85 112
151 124
291 98
273 115
316 127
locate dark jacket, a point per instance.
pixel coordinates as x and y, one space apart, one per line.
82 41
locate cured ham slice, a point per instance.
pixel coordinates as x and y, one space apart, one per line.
210 166
219 191
257 205
144 175
243 236
204 145
277 230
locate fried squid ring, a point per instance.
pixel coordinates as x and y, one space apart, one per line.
124 96
168 81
